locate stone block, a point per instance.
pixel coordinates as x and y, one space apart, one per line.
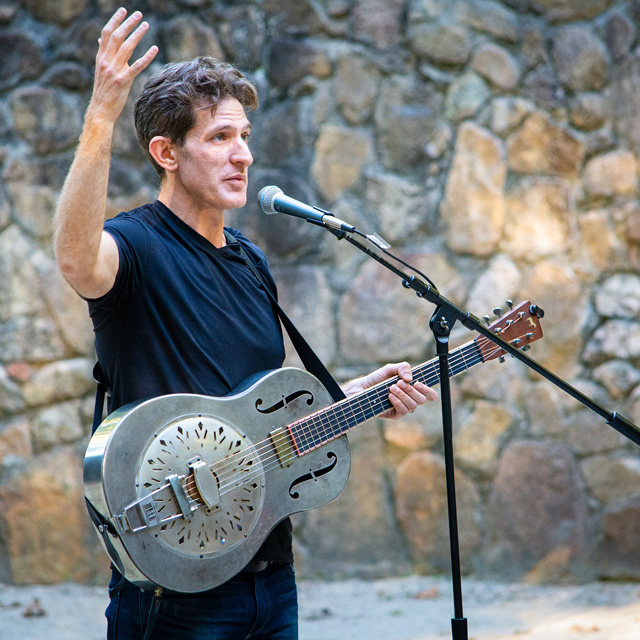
610 479
291 60
297 17
380 321
541 85
541 401
473 207
599 245
619 33
378 22
618 377
60 12
538 219
356 534
406 119
537 509
48 119
613 339
617 554
589 434
588 111
490 17
555 288
305 294
356 87
421 509
619 296
15 439
60 381
442 43
500 281
623 94
186 36
570 10
496 65
478 441
11 400
544 146
508 112
611 174
339 157
43 524
465 96
401 206
22 58
581 58
56 425
243 35
34 185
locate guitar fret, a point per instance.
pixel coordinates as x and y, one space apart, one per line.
336 420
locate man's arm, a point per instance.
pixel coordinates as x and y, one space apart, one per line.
86 255
404 395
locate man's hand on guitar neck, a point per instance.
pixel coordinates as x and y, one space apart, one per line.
404 395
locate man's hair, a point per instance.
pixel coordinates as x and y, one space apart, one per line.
168 101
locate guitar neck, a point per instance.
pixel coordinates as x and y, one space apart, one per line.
334 421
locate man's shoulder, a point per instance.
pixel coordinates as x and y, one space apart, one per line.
145 214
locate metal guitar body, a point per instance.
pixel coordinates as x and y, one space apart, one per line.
192 485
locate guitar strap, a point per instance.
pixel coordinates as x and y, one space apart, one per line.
312 363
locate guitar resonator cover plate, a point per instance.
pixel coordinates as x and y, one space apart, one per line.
236 468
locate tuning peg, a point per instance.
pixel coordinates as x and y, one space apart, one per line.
487 319
501 359
536 311
497 311
526 347
517 341
509 303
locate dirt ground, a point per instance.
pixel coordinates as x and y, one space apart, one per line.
412 608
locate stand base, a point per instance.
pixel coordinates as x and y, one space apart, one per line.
459 629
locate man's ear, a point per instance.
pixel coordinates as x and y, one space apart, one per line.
162 150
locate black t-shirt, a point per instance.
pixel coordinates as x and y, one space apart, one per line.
185 317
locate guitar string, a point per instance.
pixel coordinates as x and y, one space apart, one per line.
274 462
317 418
380 391
371 397
373 393
307 428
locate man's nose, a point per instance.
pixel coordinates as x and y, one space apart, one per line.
241 153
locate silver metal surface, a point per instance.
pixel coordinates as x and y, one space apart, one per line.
137 447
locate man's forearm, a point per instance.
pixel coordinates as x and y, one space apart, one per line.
81 207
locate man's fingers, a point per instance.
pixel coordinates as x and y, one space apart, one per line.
131 42
120 33
142 63
114 22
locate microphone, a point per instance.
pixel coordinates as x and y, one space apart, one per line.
272 200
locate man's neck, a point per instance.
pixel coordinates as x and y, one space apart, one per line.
208 222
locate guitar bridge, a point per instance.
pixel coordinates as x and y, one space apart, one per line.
206 483
282 444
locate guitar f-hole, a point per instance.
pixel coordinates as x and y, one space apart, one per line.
313 475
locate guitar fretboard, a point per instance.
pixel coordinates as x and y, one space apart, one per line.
323 426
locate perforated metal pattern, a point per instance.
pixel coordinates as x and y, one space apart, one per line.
236 468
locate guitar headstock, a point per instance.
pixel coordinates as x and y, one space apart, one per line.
520 327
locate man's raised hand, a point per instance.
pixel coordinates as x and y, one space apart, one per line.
114 75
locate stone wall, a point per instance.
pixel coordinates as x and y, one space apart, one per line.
494 144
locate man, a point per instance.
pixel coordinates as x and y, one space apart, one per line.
175 307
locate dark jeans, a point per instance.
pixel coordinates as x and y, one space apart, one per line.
251 606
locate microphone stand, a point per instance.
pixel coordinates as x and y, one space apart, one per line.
441 324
